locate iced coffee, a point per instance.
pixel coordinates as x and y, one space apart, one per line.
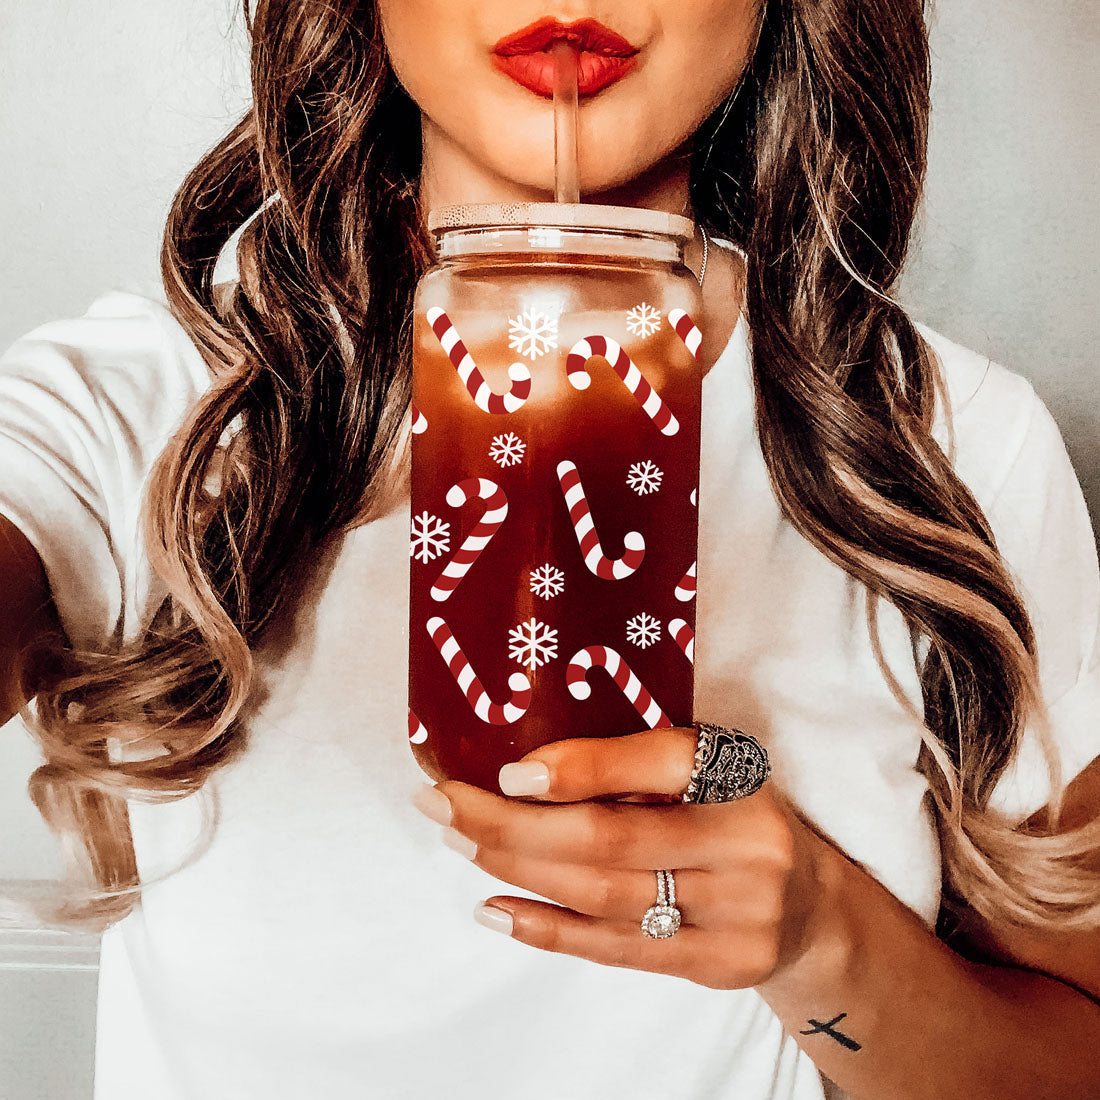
555 465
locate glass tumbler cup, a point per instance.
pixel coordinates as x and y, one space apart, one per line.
554 472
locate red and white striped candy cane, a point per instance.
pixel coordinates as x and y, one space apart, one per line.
418 732
419 421
499 714
685 328
576 369
473 379
585 530
685 590
683 636
496 508
602 656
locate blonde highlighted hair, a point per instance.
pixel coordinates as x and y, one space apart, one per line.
814 165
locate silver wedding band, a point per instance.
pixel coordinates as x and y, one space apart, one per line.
729 764
663 919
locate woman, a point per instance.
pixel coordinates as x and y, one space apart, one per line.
896 573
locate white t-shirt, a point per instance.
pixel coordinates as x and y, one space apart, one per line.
323 944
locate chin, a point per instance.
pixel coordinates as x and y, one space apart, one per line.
530 167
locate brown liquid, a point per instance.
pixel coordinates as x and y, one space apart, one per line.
604 432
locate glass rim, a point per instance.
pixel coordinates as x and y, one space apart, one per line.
562 215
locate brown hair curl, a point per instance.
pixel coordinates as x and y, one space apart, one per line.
814 164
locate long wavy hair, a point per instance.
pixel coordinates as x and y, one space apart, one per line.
814 165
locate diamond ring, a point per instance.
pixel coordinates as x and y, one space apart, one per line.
663 919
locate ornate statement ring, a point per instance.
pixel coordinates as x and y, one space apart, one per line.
729 765
663 919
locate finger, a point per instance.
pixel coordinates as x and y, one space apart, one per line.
740 898
692 953
607 892
625 835
656 761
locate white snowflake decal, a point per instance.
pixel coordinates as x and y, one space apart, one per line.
643 320
644 477
532 643
643 630
507 450
430 537
533 333
547 581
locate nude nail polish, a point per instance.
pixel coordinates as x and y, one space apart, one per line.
461 844
525 777
497 919
433 803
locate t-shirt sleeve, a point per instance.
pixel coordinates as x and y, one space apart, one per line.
86 405
1043 531
1008 449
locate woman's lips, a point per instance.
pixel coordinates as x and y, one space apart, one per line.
535 71
603 55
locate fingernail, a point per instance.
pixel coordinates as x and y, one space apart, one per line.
461 844
498 920
526 777
433 803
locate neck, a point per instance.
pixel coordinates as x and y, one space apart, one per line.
451 177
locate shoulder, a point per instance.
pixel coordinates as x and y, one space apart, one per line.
988 417
1008 449
126 359
86 405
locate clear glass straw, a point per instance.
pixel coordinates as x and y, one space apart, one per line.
566 184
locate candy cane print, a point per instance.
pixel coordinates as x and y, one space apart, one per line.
685 328
576 369
496 508
473 379
419 421
498 714
683 636
418 732
601 656
685 590
585 530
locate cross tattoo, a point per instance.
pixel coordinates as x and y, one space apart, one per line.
829 1029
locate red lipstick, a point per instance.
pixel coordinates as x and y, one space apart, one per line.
603 56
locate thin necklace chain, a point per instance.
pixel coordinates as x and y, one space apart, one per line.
703 266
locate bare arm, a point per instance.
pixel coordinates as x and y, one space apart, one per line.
26 612
887 1010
